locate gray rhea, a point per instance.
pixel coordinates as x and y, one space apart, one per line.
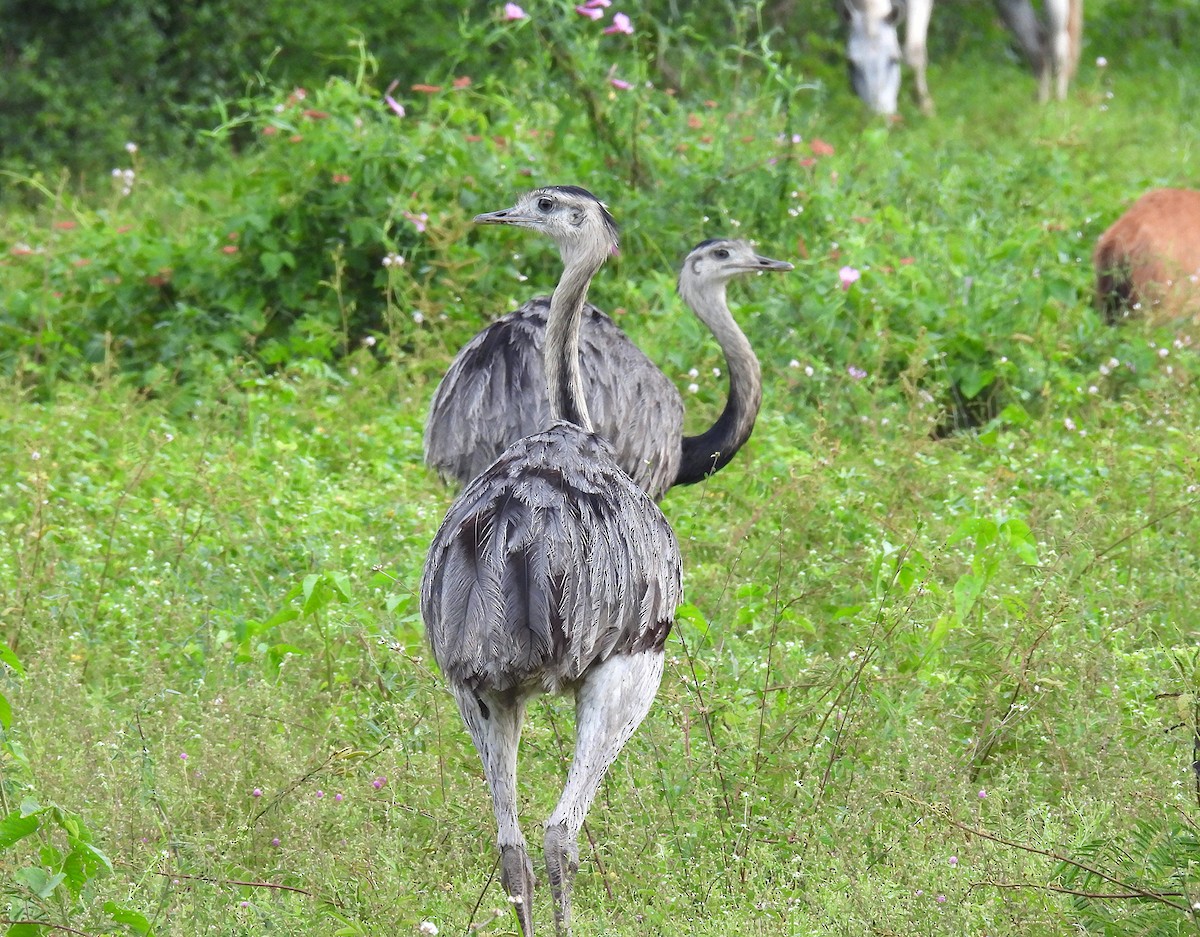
494 391
553 572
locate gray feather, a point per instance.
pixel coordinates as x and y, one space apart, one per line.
550 561
494 393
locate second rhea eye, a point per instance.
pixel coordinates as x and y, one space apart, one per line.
721 254
545 203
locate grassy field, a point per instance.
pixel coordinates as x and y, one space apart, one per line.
938 670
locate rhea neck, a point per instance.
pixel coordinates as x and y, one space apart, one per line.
713 449
564 379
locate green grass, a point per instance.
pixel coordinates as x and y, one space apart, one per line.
884 618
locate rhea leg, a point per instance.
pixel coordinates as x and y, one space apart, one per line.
610 703
494 721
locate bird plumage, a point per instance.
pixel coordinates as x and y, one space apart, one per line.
550 561
493 392
553 571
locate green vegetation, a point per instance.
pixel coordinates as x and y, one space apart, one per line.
939 670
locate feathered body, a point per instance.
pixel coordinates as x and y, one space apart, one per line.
495 393
550 561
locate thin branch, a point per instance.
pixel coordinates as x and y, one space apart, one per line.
62 927
274 886
941 811
1078 892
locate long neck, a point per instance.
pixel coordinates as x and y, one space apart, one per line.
712 450
564 381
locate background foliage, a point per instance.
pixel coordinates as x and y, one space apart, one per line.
937 673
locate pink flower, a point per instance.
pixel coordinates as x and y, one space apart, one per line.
848 275
953 860
394 105
620 84
591 13
514 12
257 792
417 220
378 783
982 794
855 372
620 24
598 4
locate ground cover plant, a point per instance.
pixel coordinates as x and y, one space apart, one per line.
937 672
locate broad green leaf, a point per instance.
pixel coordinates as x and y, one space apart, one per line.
5 712
38 880
134 919
966 592
16 827
25 930
8 657
341 585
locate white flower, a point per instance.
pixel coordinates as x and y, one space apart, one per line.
130 147
693 373
1101 61
693 388
793 363
418 317
428 927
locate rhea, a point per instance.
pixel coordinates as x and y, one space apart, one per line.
494 392
553 572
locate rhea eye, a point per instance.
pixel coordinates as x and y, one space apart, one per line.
545 203
721 254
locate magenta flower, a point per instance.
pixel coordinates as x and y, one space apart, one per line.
848 275
620 84
257 792
514 12
378 783
183 756
592 13
953 860
394 105
982 794
417 220
275 841
620 24
598 4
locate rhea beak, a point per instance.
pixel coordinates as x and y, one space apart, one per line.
766 263
504 216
